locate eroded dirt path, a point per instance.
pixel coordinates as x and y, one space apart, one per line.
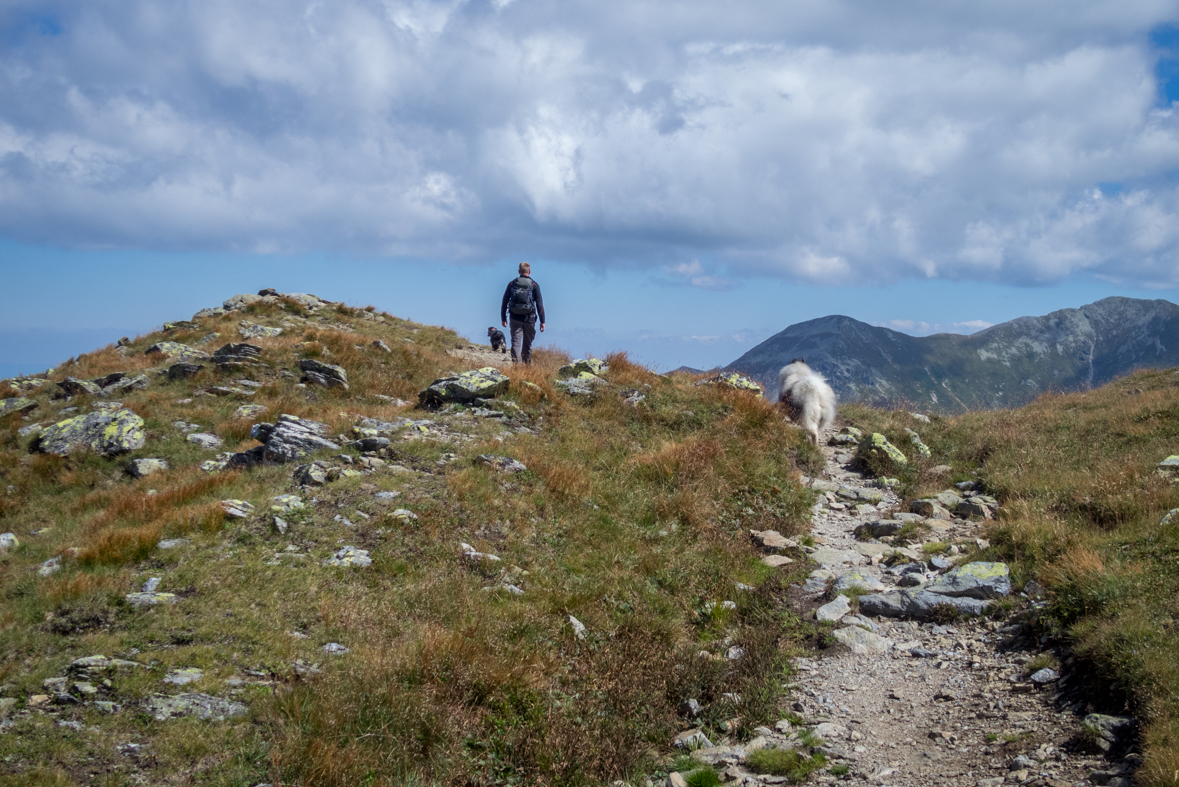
921 703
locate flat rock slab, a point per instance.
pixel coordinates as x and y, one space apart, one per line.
917 604
974 580
832 611
825 556
862 643
201 706
858 580
150 599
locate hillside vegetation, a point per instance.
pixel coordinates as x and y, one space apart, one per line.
631 518
1086 511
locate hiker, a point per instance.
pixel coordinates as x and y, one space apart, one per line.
498 342
522 299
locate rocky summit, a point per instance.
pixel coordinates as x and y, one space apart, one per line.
1005 365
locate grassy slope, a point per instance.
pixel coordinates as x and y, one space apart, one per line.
629 518
1082 510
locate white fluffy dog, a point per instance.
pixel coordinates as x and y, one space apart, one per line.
808 400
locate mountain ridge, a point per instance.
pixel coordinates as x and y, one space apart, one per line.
1003 366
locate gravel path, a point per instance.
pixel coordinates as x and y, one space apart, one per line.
938 704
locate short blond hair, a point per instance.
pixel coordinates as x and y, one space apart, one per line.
525 268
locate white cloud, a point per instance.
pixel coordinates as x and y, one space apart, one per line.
919 328
833 144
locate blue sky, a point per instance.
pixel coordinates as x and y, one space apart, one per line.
686 178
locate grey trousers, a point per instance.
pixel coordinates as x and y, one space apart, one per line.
522 335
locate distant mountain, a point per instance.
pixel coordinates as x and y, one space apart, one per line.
1003 366
687 370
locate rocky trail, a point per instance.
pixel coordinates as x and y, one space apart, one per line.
904 702
922 703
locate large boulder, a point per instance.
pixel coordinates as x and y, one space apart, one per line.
18 404
326 374
485 383
917 604
974 580
241 301
72 386
106 433
237 354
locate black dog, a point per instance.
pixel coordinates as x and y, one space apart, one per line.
498 342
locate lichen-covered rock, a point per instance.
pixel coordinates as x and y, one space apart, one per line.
217 463
327 375
485 383
214 311
233 355
202 706
1170 517
350 556
1170 465
139 468
237 509
105 433
72 386
879 454
286 503
15 405
250 411
733 380
252 330
584 384
919 447
594 366
8 541
974 580
149 598
205 440
176 351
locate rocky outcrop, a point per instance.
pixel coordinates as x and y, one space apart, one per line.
105 433
176 351
591 365
323 374
292 438
485 383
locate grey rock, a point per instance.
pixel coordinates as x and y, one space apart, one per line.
1110 728
183 371
26 431
977 507
104 433
879 528
370 444
205 440
285 503
690 708
8 541
577 626
350 556
314 474
386 497
941 563
1045 676
16 405
144 467
692 740
930 509
176 351
252 330
826 556
380 345
250 411
173 543
335 649
237 509
974 580
485 383
583 384
504 464
184 676
49 567
858 580
280 525
151 599
72 386
833 610
916 604
201 706
862 642
292 438
865 495
323 374
152 584
239 301
136 383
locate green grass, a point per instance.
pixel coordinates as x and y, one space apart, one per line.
790 763
702 777
632 519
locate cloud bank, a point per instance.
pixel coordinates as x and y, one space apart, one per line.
821 141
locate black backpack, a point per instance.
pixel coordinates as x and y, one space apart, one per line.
520 301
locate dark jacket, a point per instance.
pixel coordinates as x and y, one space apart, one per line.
536 299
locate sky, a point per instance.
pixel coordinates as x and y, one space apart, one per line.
686 178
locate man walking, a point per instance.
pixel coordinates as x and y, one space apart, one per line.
522 300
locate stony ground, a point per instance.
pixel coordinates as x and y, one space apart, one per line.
943 703
914 704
